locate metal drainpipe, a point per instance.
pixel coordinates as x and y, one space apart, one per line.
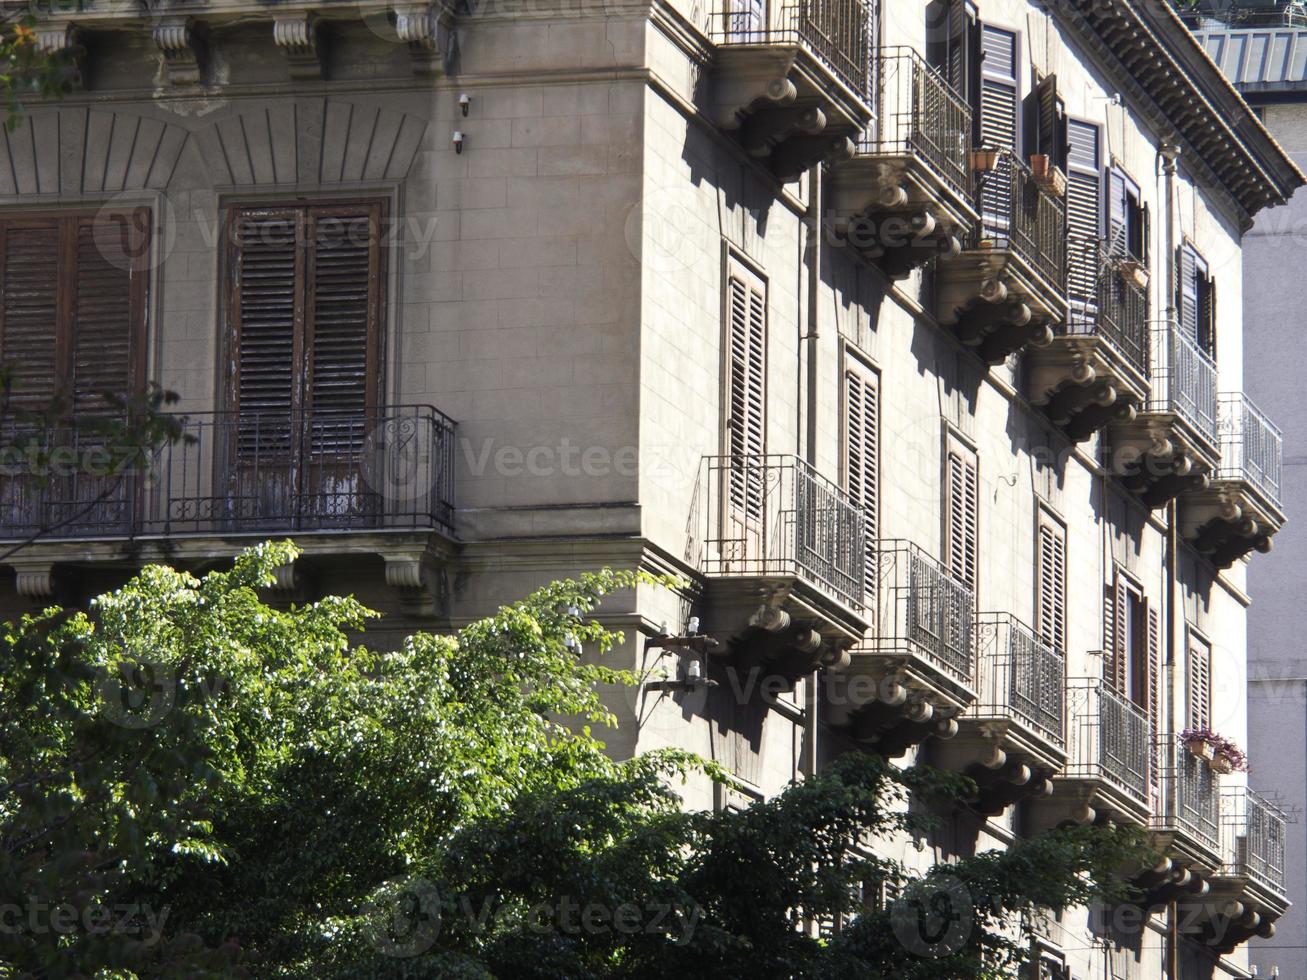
1169 152
814 229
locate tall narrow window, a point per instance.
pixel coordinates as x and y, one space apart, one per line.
1198 696
746 341
1046 122
1083 220
998 124
961 502
1050 579
953 45
1127 218
73 292
1196 298
304 309
862 452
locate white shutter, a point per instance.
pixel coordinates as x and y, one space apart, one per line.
1084 220
998 124
961 502
746 327
1189 265
1050 581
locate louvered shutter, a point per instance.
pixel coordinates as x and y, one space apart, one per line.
108 290
1117 230
862 456
746 398
1199 699
961 504
1046 123
1084 221
1050 599
1116 669
1154 698
958 56
998 125
1206 288
1187 297
29 311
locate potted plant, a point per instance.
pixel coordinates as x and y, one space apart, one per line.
1201 742
983 159
1229 758
1219 752
1047 174
1134 272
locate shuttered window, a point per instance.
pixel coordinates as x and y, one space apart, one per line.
961 502
1196 298
1198 695
998 124
1084 219
1046 122
746 338
953 46
304 318
1050 580
862 452
1127 218
73 292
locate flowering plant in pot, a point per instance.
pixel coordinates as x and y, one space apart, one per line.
1219 752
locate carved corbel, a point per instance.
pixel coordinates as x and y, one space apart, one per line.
427 31
35 580
180 42
63 41
299 36
406 573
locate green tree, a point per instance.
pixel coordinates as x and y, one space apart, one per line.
193 783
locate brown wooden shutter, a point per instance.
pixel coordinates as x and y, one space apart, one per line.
1050 598
960 518
29 311
1199 695
1154 697
1046 122
862 455
746 311
1116 668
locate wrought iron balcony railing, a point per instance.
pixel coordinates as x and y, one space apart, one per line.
1184 380
1192 798
922 611
1110 737
1250 445
1105 303
1019 214
1020 676
919 113
775 515
1254 829
836 32
239 472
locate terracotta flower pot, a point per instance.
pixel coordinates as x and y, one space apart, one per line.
1047 174
983 160
1134 273
1221 764
1200 749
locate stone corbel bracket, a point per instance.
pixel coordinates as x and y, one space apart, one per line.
299 36
428 31
411 575
63 40
180 41
34 580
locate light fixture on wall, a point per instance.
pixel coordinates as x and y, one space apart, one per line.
457 140
464 102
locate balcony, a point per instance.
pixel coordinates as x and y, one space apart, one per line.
1190 823
1095 371
1012 740
1006 288
905 197
782 549
916 670
254 474
1247 891
1239 511
1171 446
792 79
1108 774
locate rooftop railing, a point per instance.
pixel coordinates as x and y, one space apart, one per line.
775 515
1019 214
1254 828
1193 801
922 611
1110 737
1184 380
1106 303
1020 676
239 472
836 32
920 114
1251 446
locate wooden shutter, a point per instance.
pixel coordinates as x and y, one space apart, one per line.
1117 220
960 506
861 434
1115 618
73 308
1187 262
998 96
957 53
1206 303
1198 700
1084 218
1046 122
1154 697
1050 581
746 312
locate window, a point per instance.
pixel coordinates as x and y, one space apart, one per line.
998 124
73 291
1196 298
1050 580
1084 220
961 501
861 450
1127 218
746 339
1198 694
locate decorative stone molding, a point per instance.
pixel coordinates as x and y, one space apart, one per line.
406 573
55 40
178 40
287 579
299 38
427 32
35 581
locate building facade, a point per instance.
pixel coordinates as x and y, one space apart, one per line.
1261 51
892 329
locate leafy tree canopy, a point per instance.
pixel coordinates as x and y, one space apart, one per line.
194 783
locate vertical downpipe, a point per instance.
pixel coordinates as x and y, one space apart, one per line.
1169 152
814 231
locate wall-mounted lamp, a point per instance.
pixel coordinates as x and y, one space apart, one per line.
464 102
457 140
